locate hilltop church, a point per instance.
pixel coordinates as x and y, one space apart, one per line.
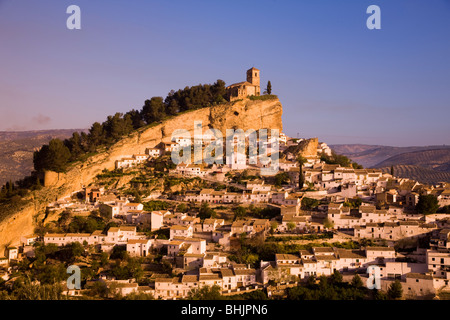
243 89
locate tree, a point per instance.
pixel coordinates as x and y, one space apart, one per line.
311 281
136 118
290 226
336 277
301 178
428 204
342 160
309 203
323 282
206 212
117 126
182 207
96 136
53 156
395 291
172 108
328 224
205 293
75 146
356 281
273 226
239 212
392 170
218 91
281 178
353 203
269 88
153 110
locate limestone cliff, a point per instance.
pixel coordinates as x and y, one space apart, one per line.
244 114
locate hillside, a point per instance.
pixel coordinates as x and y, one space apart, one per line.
17 147
243 114
372 155
420 174
437 159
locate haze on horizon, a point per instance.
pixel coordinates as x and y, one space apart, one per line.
336 79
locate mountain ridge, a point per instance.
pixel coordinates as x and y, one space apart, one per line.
17 147
372 155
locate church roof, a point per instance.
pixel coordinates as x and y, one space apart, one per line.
246 83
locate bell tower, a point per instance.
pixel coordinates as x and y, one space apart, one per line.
253 76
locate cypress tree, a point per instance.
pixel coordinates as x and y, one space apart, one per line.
269 88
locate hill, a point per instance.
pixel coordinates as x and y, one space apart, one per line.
420 174
17 147
437 159
243 114
373 155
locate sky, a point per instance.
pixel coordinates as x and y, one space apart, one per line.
336 79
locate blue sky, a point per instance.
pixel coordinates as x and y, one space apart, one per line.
337 80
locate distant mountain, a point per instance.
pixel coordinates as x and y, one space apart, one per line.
420 174
437 159
372 155
17 147
428 164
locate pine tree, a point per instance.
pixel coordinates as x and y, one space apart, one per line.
395 290
356 281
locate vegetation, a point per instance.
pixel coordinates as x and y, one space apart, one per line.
331 288
309 203
156 205
341 160
353 203
328 224
213 293
301 177
395 290
263 97
57 155
255 212
206 211
428 204
24 289
309 237
205 293
268 88
444 209
281 178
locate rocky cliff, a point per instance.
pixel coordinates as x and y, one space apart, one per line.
306 148
244 114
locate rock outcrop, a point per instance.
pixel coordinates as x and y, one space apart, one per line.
243 114
306 148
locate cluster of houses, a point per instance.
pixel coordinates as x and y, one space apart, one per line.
198 249
418 279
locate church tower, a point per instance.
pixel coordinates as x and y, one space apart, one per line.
253 76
